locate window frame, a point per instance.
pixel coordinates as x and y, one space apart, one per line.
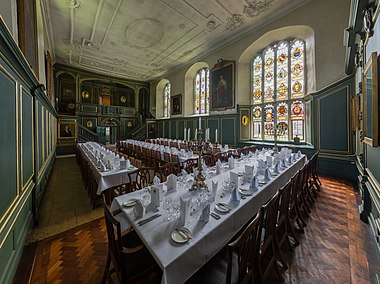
207 91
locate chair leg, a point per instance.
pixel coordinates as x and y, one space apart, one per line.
106 270
278 252
290 230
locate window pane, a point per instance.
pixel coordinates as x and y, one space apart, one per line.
257 74
268 122
282 122
297 69
207 91
203 91
196 93
257 118
269 75
298 118
167 100
282 71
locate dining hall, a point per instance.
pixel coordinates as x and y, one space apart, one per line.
188 141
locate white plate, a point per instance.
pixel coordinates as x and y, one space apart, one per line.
221 208
130 202
179 237
262 181
245 192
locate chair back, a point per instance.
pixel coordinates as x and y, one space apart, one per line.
208 160
115 245
285 200
166 157
144 177
168 168
190 164
246 247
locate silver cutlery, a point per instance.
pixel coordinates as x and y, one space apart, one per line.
142 222
215 216
183 233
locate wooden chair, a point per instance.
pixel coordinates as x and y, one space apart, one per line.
131 261
270 252
314 181
209 160
190 164
175 159
295 215
140 178
167 158
284 226
168 168
238 262
138 163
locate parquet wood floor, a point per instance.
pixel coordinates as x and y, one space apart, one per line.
333 248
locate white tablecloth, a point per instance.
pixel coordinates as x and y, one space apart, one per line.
180 261
109 178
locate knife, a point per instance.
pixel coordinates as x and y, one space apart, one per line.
142 222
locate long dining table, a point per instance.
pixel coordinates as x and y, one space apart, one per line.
180 261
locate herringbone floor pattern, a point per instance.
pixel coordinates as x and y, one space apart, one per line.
332 250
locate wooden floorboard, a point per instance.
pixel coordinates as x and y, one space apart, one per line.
335 247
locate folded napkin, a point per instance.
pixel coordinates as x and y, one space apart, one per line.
261 164
226 147
248 174
184 173
231 162
154 199
171 182
205 215
128 163
235 196
102 167
184 208
275 168
214 189
290 160
138 209
254 186
241 155
277 158
283 164
156 180
218 166
299 154
266 175
234 180
269 161
123 164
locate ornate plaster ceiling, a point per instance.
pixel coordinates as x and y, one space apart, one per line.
144 39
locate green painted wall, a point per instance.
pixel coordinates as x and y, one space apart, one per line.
26 144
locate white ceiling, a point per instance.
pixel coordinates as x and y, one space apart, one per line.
144 39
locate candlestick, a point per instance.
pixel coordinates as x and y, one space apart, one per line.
188 134
200 123
184 134
196 133
216 135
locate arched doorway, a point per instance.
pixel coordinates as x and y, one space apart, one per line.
109 130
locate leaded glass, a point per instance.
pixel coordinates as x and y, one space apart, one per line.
269 122
297 69
282 71
282 121
257 70
298 118
201 92
278 78
269 75
167 100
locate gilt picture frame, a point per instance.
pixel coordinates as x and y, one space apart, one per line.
176 103
222 85
371 101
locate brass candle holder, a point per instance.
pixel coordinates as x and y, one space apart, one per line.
199 179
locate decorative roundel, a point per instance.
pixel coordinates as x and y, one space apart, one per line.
129 124
89 124
123 99
297 109
257 113
282 110
297 87
297 69
244 120
85 95
71 106
257 94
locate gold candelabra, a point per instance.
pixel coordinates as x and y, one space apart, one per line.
199 179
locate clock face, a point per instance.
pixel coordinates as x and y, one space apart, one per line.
89 124
123 99
85 95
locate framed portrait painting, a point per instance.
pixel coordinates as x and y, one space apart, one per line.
222 85
176 102
67 130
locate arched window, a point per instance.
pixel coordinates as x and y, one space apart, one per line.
201 91
278 86
167 100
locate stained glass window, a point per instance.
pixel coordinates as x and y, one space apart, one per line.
167 100
201 92
278 86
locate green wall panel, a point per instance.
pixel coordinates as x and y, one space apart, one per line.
213 124
228 131
373 158
27 137
189 124
333 124
39 135
181 127
8 172
244 129
173 129
166 129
